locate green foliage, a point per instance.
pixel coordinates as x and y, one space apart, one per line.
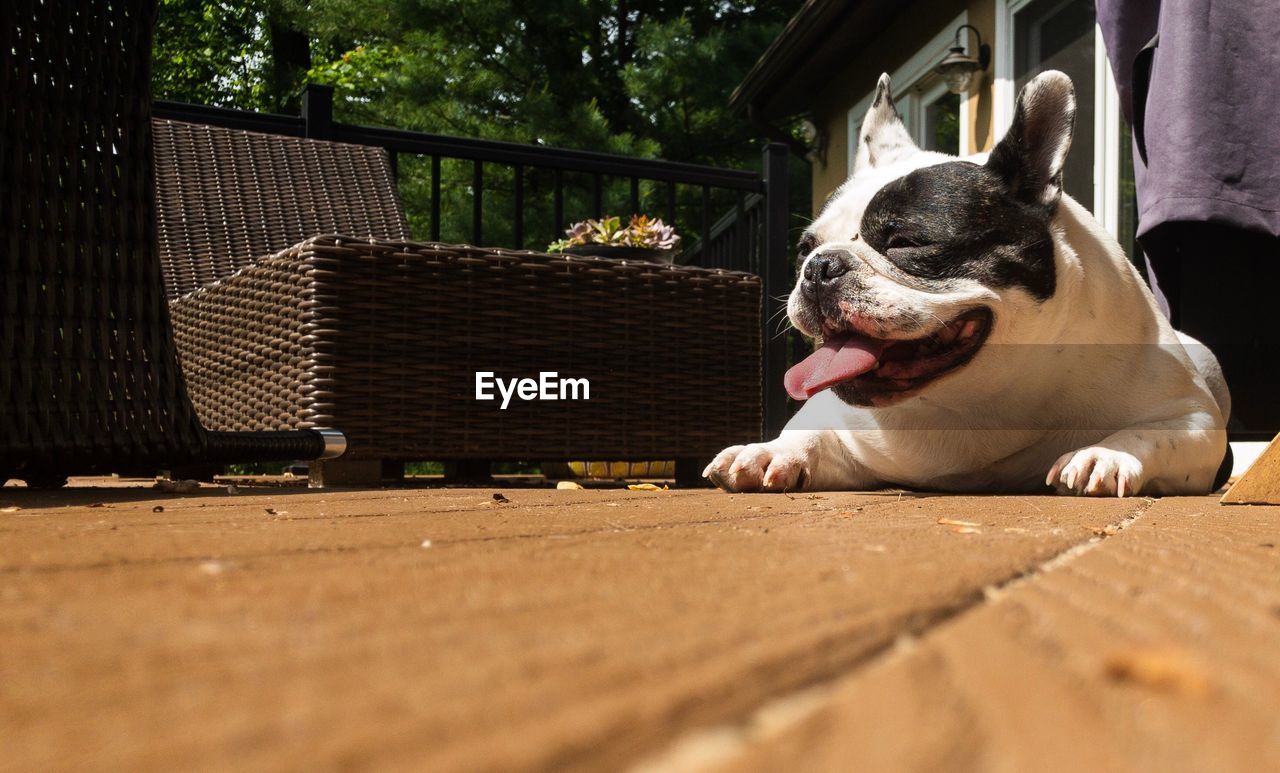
647 77
248 54
681 75
211 53
644 78
947 130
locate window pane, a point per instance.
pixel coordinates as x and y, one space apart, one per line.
1128 193
1059 35
942 124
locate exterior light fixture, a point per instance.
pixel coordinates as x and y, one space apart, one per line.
957 68
816 141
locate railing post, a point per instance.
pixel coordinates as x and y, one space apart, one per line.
773 270
317 111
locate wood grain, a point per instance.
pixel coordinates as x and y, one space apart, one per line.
1153 651
436 629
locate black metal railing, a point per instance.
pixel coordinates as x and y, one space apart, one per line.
741 215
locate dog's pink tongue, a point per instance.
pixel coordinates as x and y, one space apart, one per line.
836 361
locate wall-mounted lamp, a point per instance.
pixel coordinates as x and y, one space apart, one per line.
816 141
957 68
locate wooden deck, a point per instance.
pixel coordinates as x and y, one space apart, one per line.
439 629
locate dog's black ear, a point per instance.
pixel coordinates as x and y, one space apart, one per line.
884 138
1031 155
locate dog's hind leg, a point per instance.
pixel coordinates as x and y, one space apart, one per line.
1209 369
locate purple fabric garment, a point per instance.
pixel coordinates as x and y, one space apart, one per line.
1204 102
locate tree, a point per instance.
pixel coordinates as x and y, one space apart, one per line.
648 78
254 56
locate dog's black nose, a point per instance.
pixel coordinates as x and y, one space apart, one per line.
821 269
826 266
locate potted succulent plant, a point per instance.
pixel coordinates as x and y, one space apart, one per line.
643 238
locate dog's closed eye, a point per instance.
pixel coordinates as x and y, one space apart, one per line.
900 242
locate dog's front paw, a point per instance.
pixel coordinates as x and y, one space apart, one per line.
758 467
1096 472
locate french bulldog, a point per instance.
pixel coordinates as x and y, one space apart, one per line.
981 332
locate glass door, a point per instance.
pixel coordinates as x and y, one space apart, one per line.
1127 201
1059 35
1038 35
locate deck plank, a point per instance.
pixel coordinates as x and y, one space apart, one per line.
1153 651
578 629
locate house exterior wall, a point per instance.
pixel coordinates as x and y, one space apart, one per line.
898 42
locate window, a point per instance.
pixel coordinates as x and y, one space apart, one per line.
1059 35
1037 35
940 127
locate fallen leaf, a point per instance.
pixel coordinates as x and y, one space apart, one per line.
568 485
966 530
610 504
9 509
96 504
950 522
500 499
1015 530
645 487
1161 668
273 511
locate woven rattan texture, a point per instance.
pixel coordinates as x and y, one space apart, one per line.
89 375
90 380
383 339
246 346
226 198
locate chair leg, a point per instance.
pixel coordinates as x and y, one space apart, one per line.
689 473
470 471
344 472
392 472
44 479
201 472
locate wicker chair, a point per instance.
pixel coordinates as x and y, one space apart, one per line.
90 381
384 337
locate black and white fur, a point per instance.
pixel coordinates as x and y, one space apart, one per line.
1080 384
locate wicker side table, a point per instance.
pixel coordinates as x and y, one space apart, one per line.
385 338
